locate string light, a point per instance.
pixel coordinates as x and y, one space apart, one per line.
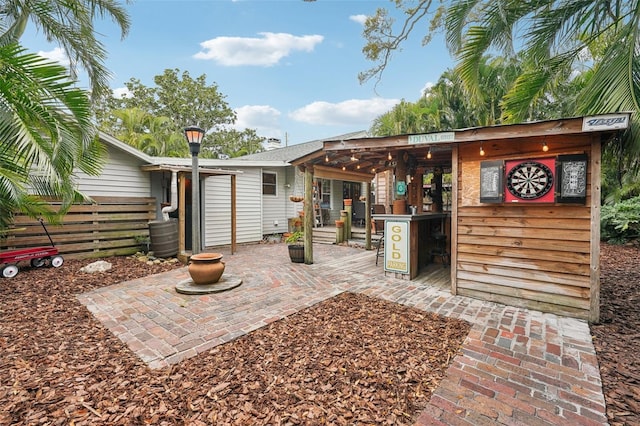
373 170
358 167
429 154
326 158
344 168
481 150
545 148
389 156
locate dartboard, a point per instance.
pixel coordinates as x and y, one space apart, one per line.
529 180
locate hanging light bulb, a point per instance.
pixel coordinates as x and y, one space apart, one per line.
326 158
358 167
373 170
389 156
545 147
481 150
429 154
344 168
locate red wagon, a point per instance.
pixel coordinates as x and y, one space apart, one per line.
37 256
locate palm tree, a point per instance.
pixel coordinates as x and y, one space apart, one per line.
70 24
46 127
45 133
559 40
597 40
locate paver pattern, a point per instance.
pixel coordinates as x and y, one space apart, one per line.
516 366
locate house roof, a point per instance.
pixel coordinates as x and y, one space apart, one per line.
294 152
274 158
110 140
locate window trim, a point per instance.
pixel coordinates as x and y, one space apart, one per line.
273 185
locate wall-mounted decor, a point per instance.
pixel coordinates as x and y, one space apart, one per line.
530 181
401 187
491 182
571 172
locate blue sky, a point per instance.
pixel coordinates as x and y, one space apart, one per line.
289 68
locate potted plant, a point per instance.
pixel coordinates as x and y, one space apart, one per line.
144 241
296 246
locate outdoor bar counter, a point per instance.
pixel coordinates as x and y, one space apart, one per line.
408 240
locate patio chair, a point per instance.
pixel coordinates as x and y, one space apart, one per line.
378 225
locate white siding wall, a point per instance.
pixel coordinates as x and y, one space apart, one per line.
291 207
121 177
217 208
275 207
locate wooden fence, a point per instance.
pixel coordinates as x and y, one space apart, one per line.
111 226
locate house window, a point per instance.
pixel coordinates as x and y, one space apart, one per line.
325 192
268 183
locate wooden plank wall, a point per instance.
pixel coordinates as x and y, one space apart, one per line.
105 228
530 255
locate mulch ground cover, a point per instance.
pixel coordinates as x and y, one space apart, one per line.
349 360
617 337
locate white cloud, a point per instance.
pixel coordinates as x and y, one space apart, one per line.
360 19
265 51
427 88
353 112
263 118
57 55
121 92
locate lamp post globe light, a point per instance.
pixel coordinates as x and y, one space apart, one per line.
194 137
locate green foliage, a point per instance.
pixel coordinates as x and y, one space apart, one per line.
449 105
69 24
620 222
47 135
574 57
295 238
46 125
152 119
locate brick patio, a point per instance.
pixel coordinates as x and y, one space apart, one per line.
517 367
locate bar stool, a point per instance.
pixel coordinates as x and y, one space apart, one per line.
379 248
439 248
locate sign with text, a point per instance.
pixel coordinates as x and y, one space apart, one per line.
432 137
396 246
605 122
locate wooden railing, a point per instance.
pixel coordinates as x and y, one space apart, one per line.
111 226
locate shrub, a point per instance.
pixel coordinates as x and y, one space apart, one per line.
620 222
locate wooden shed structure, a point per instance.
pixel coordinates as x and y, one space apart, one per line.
525 204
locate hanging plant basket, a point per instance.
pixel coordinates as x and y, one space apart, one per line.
296 199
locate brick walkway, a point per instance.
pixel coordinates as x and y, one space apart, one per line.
517 367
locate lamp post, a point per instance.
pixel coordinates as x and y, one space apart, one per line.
194 136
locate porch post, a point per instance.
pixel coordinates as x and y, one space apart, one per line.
308 215
367 216
233 214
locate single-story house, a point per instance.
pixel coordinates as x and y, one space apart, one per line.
242 200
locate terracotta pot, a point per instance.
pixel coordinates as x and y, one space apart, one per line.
206 268
339 223
348 201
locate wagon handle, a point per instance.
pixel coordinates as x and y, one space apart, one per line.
46 232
